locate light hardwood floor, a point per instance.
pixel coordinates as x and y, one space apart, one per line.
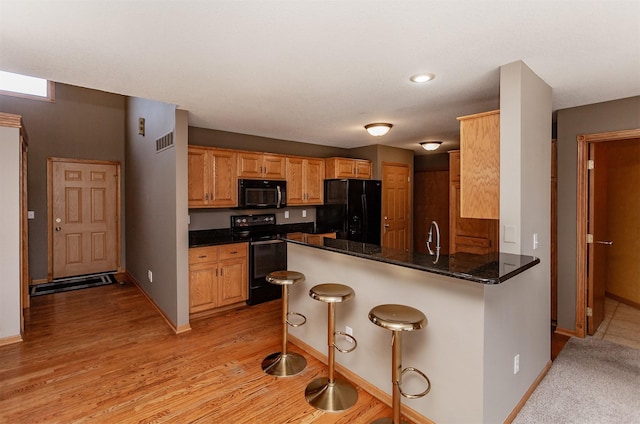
104 355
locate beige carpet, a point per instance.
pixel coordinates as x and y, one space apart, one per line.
591 381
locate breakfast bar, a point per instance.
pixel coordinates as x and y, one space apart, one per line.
481 330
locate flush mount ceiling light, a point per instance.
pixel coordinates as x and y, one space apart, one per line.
430 145
418 78
378 129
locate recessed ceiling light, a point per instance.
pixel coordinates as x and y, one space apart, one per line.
418 78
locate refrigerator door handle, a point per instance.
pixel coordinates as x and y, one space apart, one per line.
365 218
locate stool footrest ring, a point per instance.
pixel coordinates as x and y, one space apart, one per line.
304 319
421 374
349 336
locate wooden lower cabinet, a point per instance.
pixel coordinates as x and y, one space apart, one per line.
470 235
218 276
310 238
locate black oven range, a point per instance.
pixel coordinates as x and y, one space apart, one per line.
267 253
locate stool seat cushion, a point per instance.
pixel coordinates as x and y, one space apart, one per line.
331 292
285 277
397 317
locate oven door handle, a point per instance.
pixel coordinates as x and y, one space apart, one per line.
258 243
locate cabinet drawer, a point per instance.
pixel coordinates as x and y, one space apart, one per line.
203 254
236 250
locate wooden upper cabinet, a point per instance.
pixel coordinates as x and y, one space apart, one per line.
212 180
347 168
261 166
470 235
305 181
480 165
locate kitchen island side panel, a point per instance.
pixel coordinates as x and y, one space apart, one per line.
449 349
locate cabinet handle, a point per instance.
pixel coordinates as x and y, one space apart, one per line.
202 256
221 271
216 272
206 196
234 252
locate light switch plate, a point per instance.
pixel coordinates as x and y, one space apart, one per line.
510 234
31 214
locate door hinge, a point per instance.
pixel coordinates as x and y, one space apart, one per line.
590 164
589 238
589 312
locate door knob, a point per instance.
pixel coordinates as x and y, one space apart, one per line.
58 228
607 242
386 225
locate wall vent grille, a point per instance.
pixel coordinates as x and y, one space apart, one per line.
165 142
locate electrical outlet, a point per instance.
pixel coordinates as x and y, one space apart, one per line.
286 214
349 331
516 364
150 276
304 213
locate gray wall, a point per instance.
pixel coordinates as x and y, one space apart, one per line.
522 326
228 140
10 234
152 201
622 114
80 124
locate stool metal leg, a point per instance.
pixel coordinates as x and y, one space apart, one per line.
330 394
284 364
396 371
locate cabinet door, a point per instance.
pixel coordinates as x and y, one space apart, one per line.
198 168
233 282
202 286
273 167
224 191
480 166
314 181
295 190
363 169
249 165
345 168
479 236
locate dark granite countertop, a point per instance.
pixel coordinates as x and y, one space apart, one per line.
201 238
492 268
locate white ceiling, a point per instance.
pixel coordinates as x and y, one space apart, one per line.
318 71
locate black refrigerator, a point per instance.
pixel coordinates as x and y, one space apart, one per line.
352 208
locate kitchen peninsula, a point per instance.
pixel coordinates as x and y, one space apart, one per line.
477 307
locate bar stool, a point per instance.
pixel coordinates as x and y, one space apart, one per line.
331 394
399 318
285 364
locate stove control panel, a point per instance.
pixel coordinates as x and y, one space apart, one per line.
253 220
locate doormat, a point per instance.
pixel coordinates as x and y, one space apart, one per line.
73 283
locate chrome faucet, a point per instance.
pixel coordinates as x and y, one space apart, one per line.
433 225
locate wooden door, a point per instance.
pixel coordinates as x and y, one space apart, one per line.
84 206
597 227
395 205
430 203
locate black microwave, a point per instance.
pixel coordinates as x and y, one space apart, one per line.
262 194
